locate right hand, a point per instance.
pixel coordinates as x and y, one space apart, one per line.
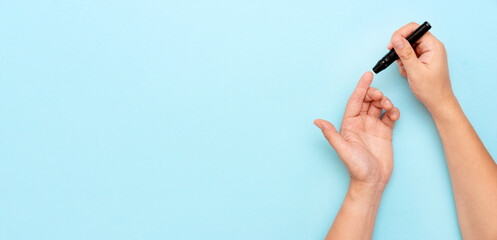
425 67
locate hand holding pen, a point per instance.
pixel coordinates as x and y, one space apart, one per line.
364 143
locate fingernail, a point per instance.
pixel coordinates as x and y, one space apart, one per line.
387 102
393 115
398 44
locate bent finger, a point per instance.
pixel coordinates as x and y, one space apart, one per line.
390 117
371 95
377 106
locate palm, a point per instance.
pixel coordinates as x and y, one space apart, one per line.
365 140
369 154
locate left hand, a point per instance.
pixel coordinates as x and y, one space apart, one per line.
426 69
364 143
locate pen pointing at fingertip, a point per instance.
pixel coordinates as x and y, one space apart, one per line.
391 56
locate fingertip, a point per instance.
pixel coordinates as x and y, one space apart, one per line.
386 104
366 79
369 77
322 124
397 113
394 114
394 117
318 124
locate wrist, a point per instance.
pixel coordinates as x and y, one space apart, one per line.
445 110
369 193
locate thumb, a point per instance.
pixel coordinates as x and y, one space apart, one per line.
331 134
406 54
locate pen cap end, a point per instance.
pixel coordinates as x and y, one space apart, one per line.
426 24
377 69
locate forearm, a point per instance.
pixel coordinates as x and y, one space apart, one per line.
357 216
472 170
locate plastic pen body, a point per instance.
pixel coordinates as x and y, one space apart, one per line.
391 56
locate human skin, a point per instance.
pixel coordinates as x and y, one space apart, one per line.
472 170
364 144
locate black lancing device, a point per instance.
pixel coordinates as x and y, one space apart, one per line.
391 56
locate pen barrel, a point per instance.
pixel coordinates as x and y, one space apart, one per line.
391 56
418 33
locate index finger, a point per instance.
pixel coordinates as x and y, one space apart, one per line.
406 30
354 104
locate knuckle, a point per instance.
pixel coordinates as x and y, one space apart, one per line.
408 54
404 29
442 45
395 35
413 24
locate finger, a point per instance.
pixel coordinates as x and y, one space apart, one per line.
371 95
406 54
402 71
406 30
425 44
377 106
386 104
399 62
354 104
330 133
390 117
375 109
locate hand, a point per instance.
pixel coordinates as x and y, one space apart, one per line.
425 67
364 143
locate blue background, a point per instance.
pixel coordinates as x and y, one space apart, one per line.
193 119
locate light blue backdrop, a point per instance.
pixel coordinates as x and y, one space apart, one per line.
193 119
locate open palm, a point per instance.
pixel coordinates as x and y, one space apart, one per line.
364 143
